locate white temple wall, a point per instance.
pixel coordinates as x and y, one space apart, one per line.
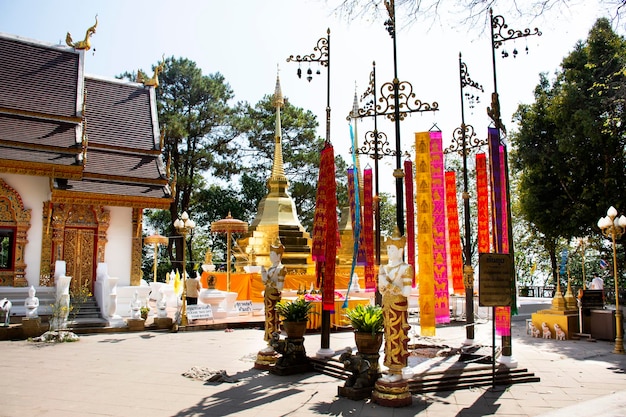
33 191
118 251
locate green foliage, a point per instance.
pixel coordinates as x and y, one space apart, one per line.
366 318
297 310
569 148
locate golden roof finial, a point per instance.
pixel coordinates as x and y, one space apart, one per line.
154 81
84 44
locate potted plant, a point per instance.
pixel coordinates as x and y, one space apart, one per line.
144 312
368 324
295 315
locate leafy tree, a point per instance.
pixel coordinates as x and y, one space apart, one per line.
468 12
569 151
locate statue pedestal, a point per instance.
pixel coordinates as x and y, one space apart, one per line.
392 394
265 360
31 326
163 322
566 319
293 359
355 394
136 324
365 373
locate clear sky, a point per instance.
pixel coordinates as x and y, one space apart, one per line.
247 40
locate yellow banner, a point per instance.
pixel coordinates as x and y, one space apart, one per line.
424 204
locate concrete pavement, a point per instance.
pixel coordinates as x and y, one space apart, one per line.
141 374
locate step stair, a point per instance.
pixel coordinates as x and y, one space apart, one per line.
88 316
451 379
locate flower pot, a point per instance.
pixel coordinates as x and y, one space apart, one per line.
295 329
368 344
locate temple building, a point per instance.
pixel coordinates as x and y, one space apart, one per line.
277 216
80 158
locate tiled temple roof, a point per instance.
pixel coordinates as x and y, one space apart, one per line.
110 154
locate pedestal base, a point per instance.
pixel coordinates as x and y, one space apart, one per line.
355 394
31 326
566 319
136 324
293 359
163 322
265 360
392 394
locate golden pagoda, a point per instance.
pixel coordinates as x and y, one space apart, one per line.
277 217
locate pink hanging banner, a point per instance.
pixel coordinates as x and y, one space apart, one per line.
454 234
410 216
440 255
367 232
503 321
504 221
482 193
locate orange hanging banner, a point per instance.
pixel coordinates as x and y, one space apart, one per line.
424 204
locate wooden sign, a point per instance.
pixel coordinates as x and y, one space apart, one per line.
495 275
199 311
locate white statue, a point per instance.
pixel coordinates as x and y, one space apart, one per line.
62 301
394 283
31 303
162 306
274 280
5 307
135 307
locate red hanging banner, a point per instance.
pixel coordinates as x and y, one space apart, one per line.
454 234
482 187
325 228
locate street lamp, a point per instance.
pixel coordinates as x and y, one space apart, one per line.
463 141
376 145
321 55
614 227
500 33
184 225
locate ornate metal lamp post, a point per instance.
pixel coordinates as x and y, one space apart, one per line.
376 145
614 227
463 141
184 225
396 95
396 101
500 33
321 55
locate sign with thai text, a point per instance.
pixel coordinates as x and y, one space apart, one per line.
199 311
243 306
495 280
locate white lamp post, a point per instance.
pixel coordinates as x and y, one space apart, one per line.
184 225
614 227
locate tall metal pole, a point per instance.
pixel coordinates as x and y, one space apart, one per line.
463 141
497 39
398 173
321 55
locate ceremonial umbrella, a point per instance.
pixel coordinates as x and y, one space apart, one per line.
155 239
229 226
